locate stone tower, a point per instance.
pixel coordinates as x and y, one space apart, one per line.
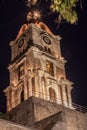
37 73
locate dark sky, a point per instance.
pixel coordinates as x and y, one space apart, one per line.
73 45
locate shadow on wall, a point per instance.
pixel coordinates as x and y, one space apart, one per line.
58 126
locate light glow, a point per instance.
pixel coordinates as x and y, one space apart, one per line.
33 16
37 14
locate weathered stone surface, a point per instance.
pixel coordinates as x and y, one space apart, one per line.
7 125
75 120
23 113
45 115
53 122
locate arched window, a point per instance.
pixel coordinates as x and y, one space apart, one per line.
20 71
67 98
22 96
52 95
49 68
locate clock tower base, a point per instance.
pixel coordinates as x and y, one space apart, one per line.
45 115
35 110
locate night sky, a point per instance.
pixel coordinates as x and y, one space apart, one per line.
73 45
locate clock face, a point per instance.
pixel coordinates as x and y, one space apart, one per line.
20 43
47 40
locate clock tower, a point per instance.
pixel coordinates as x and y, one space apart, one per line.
37 73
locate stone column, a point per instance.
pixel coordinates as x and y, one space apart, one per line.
64 95
19 92
43 87
36 85
59 95
8 103
25 89
39 84
12 99
30 86
48 85
69 96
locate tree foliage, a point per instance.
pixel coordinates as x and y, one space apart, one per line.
64 8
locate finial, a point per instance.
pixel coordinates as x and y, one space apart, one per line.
33 17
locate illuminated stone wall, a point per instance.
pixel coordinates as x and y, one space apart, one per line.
38 88
37 69
7 125
44 114
76 120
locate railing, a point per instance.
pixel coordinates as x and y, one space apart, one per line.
79 108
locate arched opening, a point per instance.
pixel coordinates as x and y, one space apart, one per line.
27 88
33 85
52 95
67 98
22 96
